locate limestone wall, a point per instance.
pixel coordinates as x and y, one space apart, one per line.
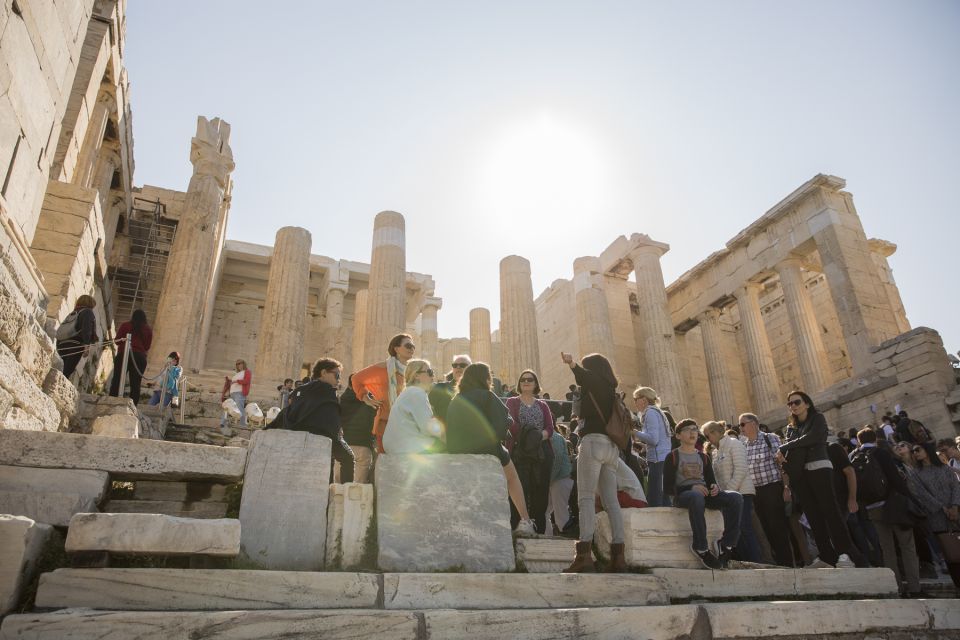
557 327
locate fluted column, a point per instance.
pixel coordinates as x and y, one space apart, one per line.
335 295
85 169
657 345
481 348
518 318
718 377
806 332
190 265
593 315
359 329
429 339
763 375
386 304
284 318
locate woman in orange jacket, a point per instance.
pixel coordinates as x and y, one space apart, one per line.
379 384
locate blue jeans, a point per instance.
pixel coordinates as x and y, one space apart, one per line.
241 401
728 502
748 549
655 497
155 399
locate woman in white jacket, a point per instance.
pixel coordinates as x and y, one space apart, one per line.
411 427
732 470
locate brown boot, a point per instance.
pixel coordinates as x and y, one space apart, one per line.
583 563
618 562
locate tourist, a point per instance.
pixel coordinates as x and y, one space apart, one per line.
903 452
811 476
443 392
902 429
530 448
169 381
845 486
904 456
76 333
888 428
315 409
597 460
141 336
688 475
573 397
286 392
884 496
379 384
729 461
411 427
357 419
770 501
656 436
949 449
237 388
561 485
478 422
937 489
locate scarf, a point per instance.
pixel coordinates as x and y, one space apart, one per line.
394 366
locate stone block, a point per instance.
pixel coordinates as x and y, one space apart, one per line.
15 379
205 510
17 418
152 534
349 515
124 459
545 555
62 392
208 590
117 426
82 624
13 321
520 591
180 491
284 504
51 496
944 614
34 350
443 512
22 541
685 584
6 402
657 536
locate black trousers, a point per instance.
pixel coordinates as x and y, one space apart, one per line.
137 365
343 454
70 352
819 502
770 507
535 479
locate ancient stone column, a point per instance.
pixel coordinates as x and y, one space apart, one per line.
718 377
429 339
518 318
335 295
880 250
191 261
359 328
593 315
386 304
811 354
657 344
763 375
85 170
284 318
481 348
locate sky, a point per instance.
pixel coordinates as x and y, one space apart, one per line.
547 129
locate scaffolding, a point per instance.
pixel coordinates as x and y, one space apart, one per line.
137 276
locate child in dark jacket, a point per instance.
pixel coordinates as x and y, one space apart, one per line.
688 475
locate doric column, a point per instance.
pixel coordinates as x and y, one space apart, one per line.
359 329
429 339
593 315
182 302
657 346
481 348
762 373
518 318
721 391
386 304
811 354
284 318
335 295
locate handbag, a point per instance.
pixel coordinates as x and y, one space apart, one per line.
950 543
903 510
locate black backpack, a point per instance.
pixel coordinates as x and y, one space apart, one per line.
527 445
871 481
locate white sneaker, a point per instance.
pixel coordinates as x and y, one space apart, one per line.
820 564
525 528
844 562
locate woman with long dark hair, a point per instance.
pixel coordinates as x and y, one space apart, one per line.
808 466
76 333
938 490
141 336
529 445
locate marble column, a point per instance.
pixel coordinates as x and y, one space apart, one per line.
760 369
429 339
359 328
334 306
518 318
335 338
284 318
190 265
657 345
814 368
386 302
593 314
481 348
718 377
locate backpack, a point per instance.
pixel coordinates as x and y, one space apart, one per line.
68 328
871 481
619 426
527 443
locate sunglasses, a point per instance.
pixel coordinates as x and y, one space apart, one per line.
527 380
409 345
917 450
336 374
795 403
459 365
690 428
429 372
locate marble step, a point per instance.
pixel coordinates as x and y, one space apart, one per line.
152 534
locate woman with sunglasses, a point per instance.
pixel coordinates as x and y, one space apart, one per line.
379 384
936 487
811 476
530 448
412 428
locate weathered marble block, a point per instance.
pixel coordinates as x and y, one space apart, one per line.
152 534
51 496
443 512
122 458
116 426
349 515
283 509
766 584
21 543
545 555
657 536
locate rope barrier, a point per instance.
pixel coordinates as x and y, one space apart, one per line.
83 347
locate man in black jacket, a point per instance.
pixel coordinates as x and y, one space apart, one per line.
315 409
